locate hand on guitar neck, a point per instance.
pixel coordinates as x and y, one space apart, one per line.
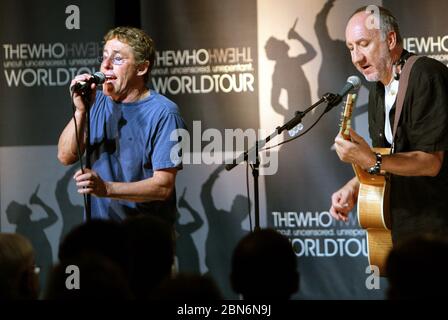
355 151
350 146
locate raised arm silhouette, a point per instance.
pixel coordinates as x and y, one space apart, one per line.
34 230
224 232
288 74
186 251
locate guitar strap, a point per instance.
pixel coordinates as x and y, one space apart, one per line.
403 86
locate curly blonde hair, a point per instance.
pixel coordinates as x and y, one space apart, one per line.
139 41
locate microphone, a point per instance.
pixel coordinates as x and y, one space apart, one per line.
83 86
353 84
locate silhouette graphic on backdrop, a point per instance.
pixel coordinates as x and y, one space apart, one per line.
224 232
186 251
293 165
20 215
336 62
288 74
71 214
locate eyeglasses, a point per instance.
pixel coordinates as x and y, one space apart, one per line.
116 60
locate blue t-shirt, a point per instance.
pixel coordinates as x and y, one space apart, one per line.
129 141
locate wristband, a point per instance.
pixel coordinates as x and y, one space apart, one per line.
376 168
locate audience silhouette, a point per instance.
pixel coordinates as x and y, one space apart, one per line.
416 268
151 252
264 266
188 287
18 271
100 278
106 238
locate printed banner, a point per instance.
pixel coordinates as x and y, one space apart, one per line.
238 71
43 46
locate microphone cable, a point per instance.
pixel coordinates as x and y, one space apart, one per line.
78 147
298 136
249 208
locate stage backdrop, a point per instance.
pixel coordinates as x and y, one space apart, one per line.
232 67
41 50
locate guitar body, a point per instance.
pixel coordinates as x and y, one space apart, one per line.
373 202
373 214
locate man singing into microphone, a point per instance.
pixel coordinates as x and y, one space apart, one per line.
418 168
132 168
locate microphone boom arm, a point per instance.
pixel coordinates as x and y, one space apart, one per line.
299 115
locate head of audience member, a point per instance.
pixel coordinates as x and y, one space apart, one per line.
18 273
188 287
103 237
87 276
264 266
416 268
152 250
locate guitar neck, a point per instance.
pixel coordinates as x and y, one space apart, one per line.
346 121
361 174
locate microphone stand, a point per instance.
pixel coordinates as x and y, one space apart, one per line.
88 204
330 98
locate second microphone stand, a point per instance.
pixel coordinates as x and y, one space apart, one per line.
249 154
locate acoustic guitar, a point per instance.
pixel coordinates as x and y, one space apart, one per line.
373 200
